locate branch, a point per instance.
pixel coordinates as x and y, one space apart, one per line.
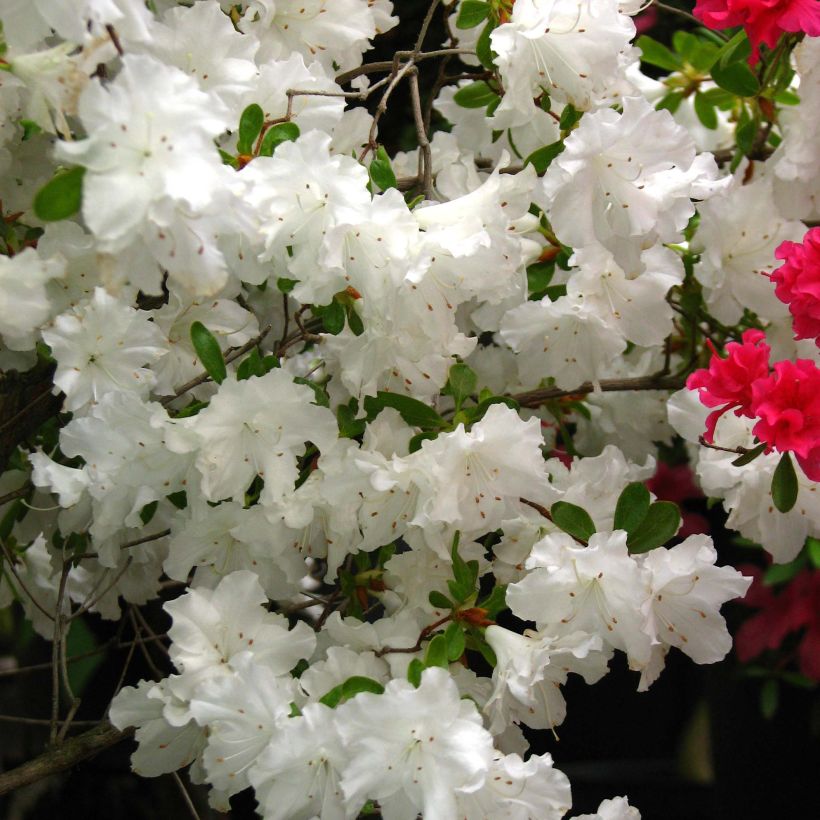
535 398
72 751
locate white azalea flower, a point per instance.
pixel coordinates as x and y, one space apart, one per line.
413 747
102 347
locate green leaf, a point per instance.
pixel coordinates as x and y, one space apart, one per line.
250 126
474 95
769 698
209 353
333 317
461 383
572 519
656 53
471 13
737 49
706 112
784 484
569 116
670 102
454 639
747 458
254 365
416 441
414 670
439 600
632 507
286 285
148 511
745 134
413 411
61 197
539 275
541 158
660 525
81 640
349 689
349 425
737 78
276 135
381 171
495 602
781 573
30 129
813 551
483 49
436 654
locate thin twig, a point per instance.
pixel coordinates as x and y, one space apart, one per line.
145 539
15 494
10 561
185 796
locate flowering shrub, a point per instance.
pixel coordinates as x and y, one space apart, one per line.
377 429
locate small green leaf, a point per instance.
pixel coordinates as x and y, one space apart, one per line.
569 116
474 95
30 129
250 126
209 353
439 600
415 443
456 644
572 519
61 197
254 365
737 49
436 654
148 511
670 102
349 689
706 112
349 425
414 670
737 78
784 484
539 275
381 171
745 135
781 573
632 507
471 13
461 383
656 53
483 49
332 316
747 458
495 602
769 698
541 158
276 135
813 551
286 285
660 525
413 411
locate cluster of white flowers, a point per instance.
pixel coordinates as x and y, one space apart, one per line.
286 381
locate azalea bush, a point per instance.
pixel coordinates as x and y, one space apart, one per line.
379 428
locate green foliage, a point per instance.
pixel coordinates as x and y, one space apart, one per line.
541 158
475 95
632 507
472 13
661 524
573 519
349 689
413 411
276 135
381 171
784 484
208 351
61 197
250 127
461 383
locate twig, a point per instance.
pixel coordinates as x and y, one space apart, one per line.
15 494
145 539
72 751
230 356
535 398
10 561
426 632
185 796
57 642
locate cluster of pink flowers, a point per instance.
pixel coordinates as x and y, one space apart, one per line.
798 282
786 402
796 608
764 20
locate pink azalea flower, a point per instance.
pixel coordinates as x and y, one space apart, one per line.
794 608
727 384
788 405
763 20
798 283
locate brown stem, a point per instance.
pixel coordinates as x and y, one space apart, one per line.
72 751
